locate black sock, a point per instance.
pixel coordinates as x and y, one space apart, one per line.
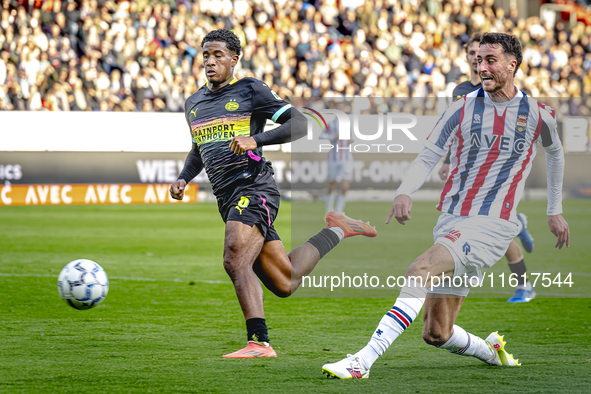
257 330
324 241
519 270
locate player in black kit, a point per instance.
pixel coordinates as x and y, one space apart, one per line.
226 118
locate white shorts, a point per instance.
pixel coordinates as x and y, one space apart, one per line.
474 242
339 170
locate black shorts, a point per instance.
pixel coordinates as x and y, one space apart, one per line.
254 202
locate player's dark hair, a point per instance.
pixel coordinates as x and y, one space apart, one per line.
223 35
510 44
475 38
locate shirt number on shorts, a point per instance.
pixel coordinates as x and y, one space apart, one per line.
242 204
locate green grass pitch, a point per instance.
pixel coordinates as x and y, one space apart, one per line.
171 311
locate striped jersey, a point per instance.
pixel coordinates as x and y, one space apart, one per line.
240 108
492 149
341 151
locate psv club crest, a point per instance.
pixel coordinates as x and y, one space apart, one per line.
232 105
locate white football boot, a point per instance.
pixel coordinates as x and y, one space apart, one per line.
351 367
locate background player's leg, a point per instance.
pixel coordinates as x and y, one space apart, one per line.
516 262
514 253
331 196
342 197
524 291
331 192
242 245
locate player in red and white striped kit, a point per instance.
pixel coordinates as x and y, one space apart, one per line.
492 134
524 292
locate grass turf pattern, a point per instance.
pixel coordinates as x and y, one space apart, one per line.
171 311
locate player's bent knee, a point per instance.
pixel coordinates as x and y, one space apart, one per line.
435 336
281 287
282 292
432 340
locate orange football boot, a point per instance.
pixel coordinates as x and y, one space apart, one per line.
253 350
351 227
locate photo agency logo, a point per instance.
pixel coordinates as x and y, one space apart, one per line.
359 132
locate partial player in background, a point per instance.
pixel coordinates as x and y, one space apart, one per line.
226 119
466 87
478 204
339 165
472 58
525 291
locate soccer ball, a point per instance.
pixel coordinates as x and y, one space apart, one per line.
83 284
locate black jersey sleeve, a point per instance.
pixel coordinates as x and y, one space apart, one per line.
266 103
193 165
293 128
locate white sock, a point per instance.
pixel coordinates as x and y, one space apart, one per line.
330 201
338 231
405 310
368 356
466 344
341 201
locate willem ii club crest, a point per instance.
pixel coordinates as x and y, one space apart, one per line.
521 122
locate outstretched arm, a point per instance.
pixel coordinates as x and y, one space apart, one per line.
554 173
267 104
436 146
295 127
192 168
414 179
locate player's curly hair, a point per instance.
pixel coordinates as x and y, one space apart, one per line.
223 35
510 44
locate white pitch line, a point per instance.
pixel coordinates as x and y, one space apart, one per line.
122 278
581 273
476 294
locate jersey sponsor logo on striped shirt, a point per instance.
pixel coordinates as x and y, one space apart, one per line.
453 235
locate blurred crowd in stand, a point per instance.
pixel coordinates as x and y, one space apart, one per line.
142 55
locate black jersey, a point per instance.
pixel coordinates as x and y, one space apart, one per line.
464 88
240 108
